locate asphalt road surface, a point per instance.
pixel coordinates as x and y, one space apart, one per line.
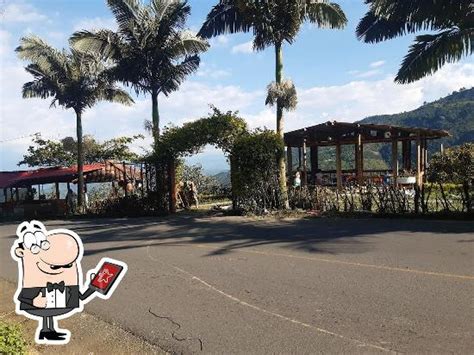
235 285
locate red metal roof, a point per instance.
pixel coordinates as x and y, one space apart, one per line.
43 176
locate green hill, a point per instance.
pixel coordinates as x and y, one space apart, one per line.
453 113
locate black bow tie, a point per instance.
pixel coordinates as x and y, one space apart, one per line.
55 286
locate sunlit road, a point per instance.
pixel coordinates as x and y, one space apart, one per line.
233 285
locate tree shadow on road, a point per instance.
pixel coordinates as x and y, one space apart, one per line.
225 234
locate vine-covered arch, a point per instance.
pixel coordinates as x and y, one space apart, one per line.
218 129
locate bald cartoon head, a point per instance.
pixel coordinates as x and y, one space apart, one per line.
47 256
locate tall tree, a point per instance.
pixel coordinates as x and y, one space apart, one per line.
273 23
452 22
153 51
73 79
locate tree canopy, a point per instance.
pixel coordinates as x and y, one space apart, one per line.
73 79
64 152
152 50
219 129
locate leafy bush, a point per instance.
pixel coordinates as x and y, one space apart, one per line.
456 166
254 169
11 339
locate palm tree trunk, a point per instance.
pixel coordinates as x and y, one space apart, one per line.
281 157
159 170
80 162
155 115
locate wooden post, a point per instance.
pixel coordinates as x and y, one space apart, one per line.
394 161
289 160
141 179
299 158
314 162
359 160
57 190
425 158
172 185
418 161
338 166
305 173
124 178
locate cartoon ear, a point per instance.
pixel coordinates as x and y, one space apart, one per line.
19 252
22 228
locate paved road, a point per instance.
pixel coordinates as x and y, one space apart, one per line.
233 285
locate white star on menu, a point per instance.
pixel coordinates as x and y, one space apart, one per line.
104 276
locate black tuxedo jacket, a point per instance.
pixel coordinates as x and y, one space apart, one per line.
73 295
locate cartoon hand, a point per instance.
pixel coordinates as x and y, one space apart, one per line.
39 301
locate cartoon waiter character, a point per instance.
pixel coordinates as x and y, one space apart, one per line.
50 278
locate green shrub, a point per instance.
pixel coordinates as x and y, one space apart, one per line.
254 168
11 339
454 166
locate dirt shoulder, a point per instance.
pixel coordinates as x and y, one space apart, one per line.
89 335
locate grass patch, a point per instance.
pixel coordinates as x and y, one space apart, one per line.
11 339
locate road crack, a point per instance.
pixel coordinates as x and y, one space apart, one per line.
173 333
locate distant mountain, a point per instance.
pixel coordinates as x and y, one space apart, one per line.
223 178
453 113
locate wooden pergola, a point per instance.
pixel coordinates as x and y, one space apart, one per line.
342 133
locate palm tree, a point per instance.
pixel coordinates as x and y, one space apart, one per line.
273 23
153 52
74 80
451 20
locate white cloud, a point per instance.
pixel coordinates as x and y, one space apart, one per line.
358 99
5 44
246 48
212 72
219 41
20 12
366 74
377 64
95 23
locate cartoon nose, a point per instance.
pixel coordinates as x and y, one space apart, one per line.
63 250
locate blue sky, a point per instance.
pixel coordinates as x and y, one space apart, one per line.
337 78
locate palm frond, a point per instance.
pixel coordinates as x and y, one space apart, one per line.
187 43
113 94
34 49
324 14
225 17
431 52
37 89
125 11
104 43
174 75
170 14
389 19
